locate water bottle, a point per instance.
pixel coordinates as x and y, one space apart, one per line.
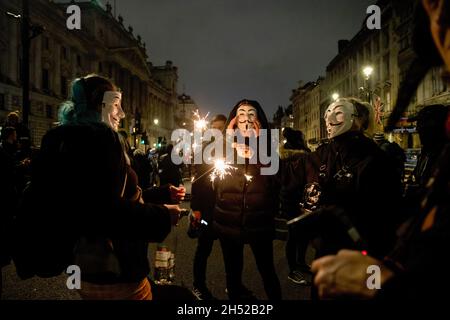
162 258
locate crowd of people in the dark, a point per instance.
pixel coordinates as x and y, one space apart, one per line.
87 198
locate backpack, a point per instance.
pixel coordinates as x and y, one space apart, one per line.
38 248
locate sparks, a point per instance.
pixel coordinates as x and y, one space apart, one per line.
199 122
220 170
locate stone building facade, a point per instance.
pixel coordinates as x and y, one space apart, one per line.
103 46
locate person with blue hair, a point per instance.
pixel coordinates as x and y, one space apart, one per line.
83 205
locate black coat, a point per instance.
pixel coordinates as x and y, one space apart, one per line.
245 210
353 174
76 187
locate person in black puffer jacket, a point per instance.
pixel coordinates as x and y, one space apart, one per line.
245 207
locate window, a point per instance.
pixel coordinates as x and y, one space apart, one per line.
368 51
63 53
46 43
2 102
386 67
385 39
45 80
110 74
49 111
64 86
376 44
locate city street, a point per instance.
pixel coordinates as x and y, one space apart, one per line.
55 288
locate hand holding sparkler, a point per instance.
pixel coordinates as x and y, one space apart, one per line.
219 170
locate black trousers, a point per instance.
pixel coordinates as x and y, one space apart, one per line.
204 247
233 255
296 246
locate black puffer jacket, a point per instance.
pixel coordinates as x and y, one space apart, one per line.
245 210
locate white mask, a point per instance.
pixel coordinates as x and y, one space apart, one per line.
339 118
246 117
112 111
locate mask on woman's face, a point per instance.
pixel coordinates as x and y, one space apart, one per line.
246 117
112 111
339 118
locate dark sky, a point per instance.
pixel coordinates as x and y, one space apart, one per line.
227 50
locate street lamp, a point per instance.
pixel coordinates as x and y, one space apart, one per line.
335 96
156 121
368 71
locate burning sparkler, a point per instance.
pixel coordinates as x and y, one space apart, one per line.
219 170
199 122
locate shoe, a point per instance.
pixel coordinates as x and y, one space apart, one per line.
245 294
203 294
298 278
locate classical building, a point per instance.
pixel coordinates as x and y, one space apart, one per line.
185 112
58 55
306 101
388 52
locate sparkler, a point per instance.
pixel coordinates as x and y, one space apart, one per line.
219 170
199 122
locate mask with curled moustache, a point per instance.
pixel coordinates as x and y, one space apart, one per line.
247 116
339 118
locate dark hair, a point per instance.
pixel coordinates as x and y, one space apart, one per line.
7 131
219 117
362 111
86 98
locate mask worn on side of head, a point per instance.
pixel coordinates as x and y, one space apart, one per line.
112 111
339 118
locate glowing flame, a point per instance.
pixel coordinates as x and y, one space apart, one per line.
221 169
200 123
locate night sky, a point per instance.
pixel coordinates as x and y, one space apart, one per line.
227 50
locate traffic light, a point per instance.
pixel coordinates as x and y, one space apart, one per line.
160 142
144 139
137 124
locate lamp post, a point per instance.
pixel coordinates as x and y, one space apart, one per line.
26 36
368 71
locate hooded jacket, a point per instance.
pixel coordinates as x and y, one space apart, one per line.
245 208
351 173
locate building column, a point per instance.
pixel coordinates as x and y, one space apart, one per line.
14 54
37 54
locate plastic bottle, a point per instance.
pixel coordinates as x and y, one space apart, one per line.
162 257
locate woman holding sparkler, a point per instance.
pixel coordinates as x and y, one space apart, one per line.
87 198
245 206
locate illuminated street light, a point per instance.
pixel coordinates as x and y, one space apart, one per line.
335 96
156 121
368 72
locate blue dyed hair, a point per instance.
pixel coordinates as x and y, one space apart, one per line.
85 103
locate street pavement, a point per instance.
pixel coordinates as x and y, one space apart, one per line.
184 248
